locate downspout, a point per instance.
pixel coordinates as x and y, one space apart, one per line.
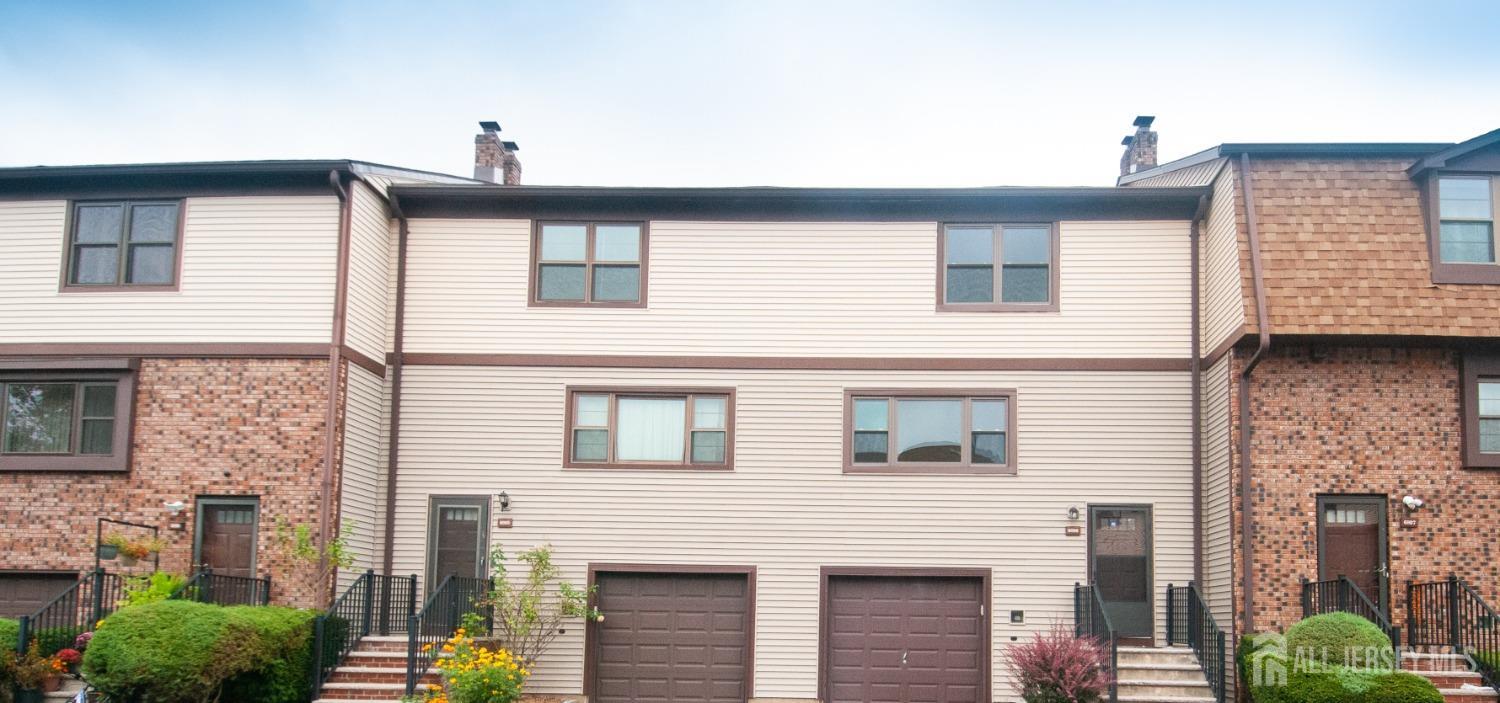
335 356
393 448
1263 326
1195 367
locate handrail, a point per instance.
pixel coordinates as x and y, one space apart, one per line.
73 612
222 589
1341 595
370 605
441 614
1092 620
1451 613
1192 623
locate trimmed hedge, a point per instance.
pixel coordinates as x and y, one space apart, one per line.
1337 638
1330 683
181 652
10 631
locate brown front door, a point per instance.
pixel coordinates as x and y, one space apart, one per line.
1351 542
672 637
907 639
226 536
1120 567
456 537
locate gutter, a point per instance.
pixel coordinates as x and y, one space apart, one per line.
1263 326
1195 368
335 355
396 364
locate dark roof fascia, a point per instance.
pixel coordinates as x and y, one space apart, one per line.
1335 149
206 178
1193 160
1441 158
788 204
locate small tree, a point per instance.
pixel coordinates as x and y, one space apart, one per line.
530 612
312 566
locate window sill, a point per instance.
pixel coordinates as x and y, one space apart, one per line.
116 288
998 307
930 470
711 468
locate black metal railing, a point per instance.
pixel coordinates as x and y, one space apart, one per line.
71 613
1189 622
441 614
374 604
1452 614
221 589
1341 595
1092 620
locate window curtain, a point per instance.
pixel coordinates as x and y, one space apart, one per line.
650 429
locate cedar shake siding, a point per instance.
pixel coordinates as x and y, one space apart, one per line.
203 428
1379 421
788 508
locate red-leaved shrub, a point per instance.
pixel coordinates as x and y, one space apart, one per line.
1058 667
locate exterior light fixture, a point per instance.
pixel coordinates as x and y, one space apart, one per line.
1073 513
174 507
504 502
1412 503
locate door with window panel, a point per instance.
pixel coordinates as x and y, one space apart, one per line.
457 537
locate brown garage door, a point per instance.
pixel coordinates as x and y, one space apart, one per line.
24 594
907 639
672 637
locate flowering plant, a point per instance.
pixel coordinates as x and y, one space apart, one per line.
34 672
475 674
81 642
69 657
1058 667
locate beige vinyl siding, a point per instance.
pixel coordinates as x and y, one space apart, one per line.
254 269
369 268
1223 310
787 508
1196 175
362 495
799 289
1218 538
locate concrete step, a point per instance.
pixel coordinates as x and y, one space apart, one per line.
1469 695
1161 672
1165 699
1452 679
1165 689
1130 656
364 691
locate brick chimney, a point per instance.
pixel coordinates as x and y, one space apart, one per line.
1140 148
495 160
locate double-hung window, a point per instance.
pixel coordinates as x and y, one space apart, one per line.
595 264
65 421
650 428
995 267
1466 217
1481 403
930 432
123 244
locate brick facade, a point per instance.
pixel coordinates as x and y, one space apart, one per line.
1361 421
203 427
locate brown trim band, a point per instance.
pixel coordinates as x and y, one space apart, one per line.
395 360
591 629
362 361
826 573
332 476
171 350
799 363
1224 347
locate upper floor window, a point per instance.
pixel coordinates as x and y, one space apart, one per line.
1481 402
998 267
1466 211
64 421
649 428
589 263
930 432
131 244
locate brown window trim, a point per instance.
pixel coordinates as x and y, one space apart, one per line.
1053 270
533 292
614 393
119 460
1477 367
65 284
932 468
1458 273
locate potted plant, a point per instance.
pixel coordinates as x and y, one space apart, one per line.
133 551
109 547
36 675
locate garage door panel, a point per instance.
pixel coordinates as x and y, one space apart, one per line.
676 637
22 594
913 639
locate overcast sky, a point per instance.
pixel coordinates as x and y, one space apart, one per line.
759 92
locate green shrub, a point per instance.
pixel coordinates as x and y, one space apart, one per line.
1401 687
180 651
10 631
1338 638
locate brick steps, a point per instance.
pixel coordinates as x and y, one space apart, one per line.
374 671
1450 673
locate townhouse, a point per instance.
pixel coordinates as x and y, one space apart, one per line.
807 444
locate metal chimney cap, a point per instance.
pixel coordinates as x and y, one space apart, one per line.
1144 121
1127 140
489 126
